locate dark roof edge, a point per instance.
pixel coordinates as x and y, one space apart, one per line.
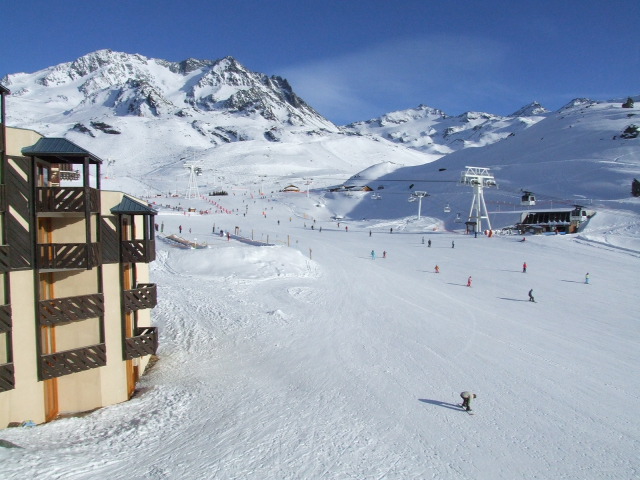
58 147
131 206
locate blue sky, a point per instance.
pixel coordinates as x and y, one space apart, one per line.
355 60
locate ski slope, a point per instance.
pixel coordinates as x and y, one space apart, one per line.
308 359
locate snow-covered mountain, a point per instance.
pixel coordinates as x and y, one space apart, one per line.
215 97
579 154
432 131
151 116
200 104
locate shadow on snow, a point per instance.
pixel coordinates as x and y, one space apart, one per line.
452 406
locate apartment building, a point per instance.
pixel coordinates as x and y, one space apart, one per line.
75 296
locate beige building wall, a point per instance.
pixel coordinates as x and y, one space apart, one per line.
18 138
77 282
26 401
114 378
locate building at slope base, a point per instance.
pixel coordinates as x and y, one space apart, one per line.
75 296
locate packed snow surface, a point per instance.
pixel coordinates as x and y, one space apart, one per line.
289 352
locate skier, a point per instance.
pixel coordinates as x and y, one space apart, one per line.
453 244
384 254
346 228
469 281
437 269
180 228
373 255
586 278
466 400
531 299
391 230
429 243
524 267
369 232
423 240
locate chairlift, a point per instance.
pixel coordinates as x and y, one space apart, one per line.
447 208
527 199
458 219
375 196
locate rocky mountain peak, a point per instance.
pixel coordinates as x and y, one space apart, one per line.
105 84
531 110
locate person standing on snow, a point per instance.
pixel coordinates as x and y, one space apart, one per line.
466 400
586 278
429 243
384 254
524 267
469 281
437 269
373 255
531 299
453 244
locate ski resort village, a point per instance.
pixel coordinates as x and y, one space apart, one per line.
203 277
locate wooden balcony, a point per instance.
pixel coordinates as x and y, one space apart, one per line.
138 251
67 199
5 318
67 256
7 378
144 296
5 260
70 309
72 361
144 343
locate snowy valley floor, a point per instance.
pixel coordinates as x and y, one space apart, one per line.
274 365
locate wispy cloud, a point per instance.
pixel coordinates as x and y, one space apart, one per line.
444 72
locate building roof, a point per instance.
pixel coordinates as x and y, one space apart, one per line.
4 89
129 206
59 150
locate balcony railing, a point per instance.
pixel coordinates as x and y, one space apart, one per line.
68 255
7 377
138 251
144 343
5 260
144 296
5 318
72 361
70 309
67 199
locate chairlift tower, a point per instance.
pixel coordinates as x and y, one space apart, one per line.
192 189
478 178
418 195
308 183
110 167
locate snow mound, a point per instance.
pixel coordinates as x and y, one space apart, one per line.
242 262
